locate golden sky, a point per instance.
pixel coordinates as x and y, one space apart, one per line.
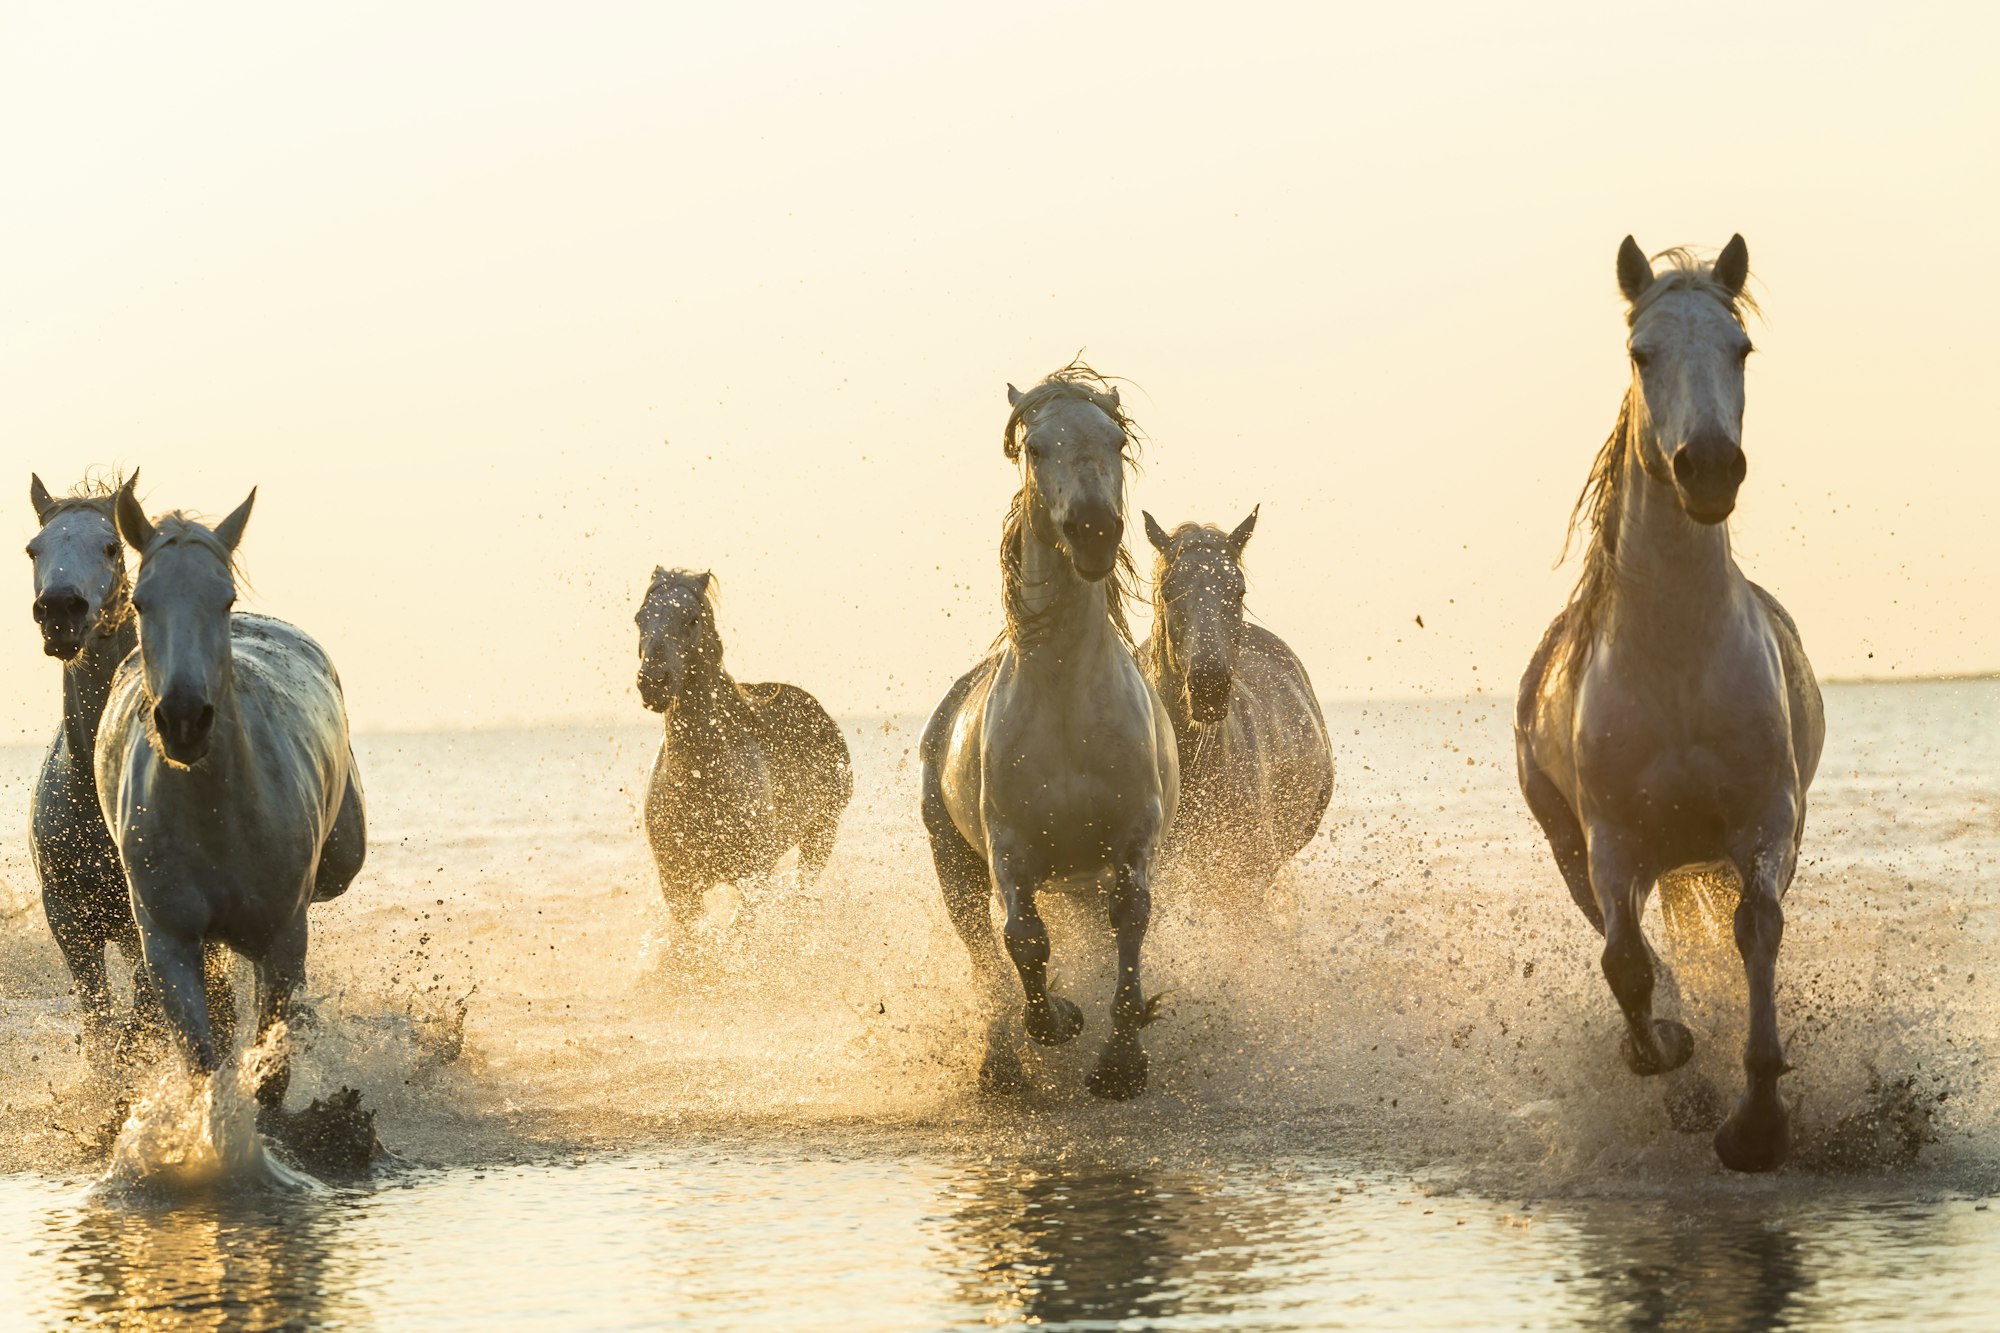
501 308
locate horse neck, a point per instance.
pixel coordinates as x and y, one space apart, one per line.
1674 576
1071 615
87 684
710 711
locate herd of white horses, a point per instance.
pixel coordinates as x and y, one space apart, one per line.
202 793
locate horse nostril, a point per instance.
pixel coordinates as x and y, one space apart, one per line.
1683 466
63 605
1739 467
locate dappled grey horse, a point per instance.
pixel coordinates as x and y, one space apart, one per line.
1052 762
1669 718
744 772
225 776
1256 767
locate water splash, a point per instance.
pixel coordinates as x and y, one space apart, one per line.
190 1135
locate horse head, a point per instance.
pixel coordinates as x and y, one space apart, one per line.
678 639
79 569
1198 610
1688 350
183 596
1070 436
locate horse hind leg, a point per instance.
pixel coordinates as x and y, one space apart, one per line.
346 845
816 846
220 990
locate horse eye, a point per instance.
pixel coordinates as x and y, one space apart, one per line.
1640 358
111 550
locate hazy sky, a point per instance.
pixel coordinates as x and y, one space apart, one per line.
501 308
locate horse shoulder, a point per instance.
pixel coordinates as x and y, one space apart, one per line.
950 749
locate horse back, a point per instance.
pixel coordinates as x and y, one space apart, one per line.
811 771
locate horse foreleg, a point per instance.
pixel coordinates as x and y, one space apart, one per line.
1121 1065
280 973
1652 1045
82 946
1757 1136
175 962
1050 1019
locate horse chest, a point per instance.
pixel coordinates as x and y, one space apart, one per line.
711 809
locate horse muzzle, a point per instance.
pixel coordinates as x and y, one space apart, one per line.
1092 538
64 618
1707 476
1209 689
658 689
184 725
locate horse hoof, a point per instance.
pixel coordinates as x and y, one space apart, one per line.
1119 1076
1056 1024
1673 1041
1000 1075
1694 1106
1757 1136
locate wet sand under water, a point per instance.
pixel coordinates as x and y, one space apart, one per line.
1390 1093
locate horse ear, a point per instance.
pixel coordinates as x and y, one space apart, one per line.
133 525
1013 396
1732 266
1155 533
39 494
230 531
1635 271
1114 395
1241 537
707 581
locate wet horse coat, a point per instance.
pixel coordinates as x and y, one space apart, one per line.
1256 766
1052 762
744 773
1669 718
225 776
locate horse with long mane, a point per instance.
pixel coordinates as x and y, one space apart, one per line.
1052 762
226 779
1256 766
744 772
1669 720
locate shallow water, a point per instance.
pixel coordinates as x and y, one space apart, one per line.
1387 1093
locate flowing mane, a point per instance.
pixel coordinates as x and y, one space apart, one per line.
1074 381
1599 504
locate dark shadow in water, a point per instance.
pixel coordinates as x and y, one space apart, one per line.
1056 1242
225 1263
1663 1268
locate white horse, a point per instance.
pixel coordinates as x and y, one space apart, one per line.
1052 762
1670 719
1256 766
226 778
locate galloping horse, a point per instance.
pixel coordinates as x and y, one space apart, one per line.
82 603
744 772
1052 762
1669 718
1256 767
225 777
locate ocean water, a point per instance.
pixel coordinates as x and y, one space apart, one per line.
1387 1092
